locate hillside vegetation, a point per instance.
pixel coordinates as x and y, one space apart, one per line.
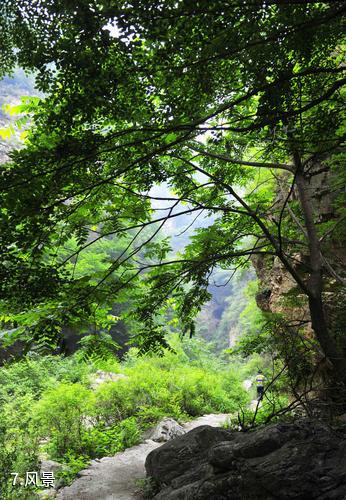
177 172
50 407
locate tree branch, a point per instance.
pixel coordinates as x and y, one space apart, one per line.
282 166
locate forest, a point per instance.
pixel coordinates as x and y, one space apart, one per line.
173 265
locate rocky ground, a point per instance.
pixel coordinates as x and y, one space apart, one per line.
116 478
305 460
302 460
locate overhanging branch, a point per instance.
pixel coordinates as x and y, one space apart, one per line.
282 166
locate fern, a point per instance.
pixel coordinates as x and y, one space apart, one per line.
97 347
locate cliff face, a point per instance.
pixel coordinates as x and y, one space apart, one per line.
276 283
220 319
301 460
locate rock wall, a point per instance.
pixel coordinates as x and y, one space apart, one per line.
303 461
275 282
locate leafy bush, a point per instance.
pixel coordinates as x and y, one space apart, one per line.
49 398
34 374
60 415
114 401
101 441
18 454
207 392
72 465
108 365
272 409
152 390
148 415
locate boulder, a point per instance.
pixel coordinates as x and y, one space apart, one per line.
247 384
100 377
166 430
55 468
305 460
50 466
183 453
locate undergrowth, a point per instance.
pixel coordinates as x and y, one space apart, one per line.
49 409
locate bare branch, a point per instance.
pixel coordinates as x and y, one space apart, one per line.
282 166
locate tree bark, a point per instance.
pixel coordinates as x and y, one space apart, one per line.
326 342
315 281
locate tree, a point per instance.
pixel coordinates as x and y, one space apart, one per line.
207 97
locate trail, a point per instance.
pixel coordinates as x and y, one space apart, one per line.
247 384
114 478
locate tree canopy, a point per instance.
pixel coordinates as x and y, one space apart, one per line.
236 106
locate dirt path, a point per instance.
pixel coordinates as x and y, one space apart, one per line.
247 384
114 478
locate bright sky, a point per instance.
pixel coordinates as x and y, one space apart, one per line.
113 30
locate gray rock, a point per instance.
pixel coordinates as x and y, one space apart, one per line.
247 384
89 422
50 466
167 429
54 467
100 377
111 478
303 461
182 454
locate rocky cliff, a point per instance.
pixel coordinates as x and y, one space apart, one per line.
276 284
303 461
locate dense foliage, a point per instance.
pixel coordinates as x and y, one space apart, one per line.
50 406
236 106
223 114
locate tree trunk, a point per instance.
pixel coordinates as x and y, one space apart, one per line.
326 342
315 282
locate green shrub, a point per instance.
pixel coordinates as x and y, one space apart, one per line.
144 389
101 441
72 465
35 374
18 454
129 433
110 364
156 387
149 415
114 401
49 397
60 415
268 411
207 392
